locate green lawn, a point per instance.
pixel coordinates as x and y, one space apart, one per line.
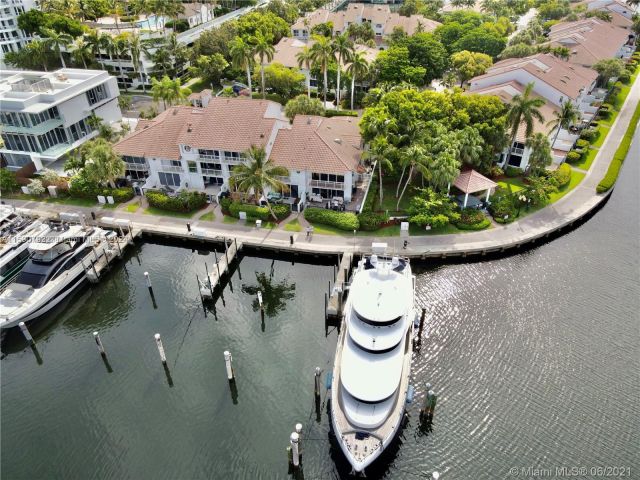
517 183
209 216
389 200
576 178
293 226
199 85
587 160
269 225
166 213
133 208
390 231
604 131
229 219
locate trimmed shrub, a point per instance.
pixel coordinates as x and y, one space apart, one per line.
581 143
80 187
625 78
340 113
513 171
485 223
611 176
495 171
472 219
573 156
342 220
180 26
184 202
503 205
604 113
8 182
256 212
370 221
563 175
589 134
372 196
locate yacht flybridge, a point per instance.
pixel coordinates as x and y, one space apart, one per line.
373 359
54 270
14 251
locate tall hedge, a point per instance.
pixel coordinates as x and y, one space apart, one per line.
611 176
184 202
342 220
255 212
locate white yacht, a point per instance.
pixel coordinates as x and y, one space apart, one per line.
373 359
53 271
14 251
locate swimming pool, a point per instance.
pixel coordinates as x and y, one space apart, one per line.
153 22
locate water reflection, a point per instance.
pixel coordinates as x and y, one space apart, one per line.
275 294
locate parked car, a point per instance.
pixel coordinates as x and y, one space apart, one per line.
237 87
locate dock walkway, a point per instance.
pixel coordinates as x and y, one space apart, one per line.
222 265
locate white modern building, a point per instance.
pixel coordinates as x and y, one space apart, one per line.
46 114
12 38
195 148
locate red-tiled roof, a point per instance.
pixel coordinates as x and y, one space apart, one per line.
471 181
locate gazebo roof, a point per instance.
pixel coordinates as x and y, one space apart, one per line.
471 181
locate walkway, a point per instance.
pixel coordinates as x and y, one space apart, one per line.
564 212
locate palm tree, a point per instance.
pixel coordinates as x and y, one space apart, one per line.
135 50
40 50
305 58
103 164
264 50
81 51
358 68
258 174
242 57
343 48
563 118
379 152
120 48
117 11
322 53
56 40
168 90
414 156
523 109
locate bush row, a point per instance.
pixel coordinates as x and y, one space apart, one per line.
340 113
563 175
341 220
611 176
472 219
255 212
183 202
513 171
485 223
573 156
371 221
81 188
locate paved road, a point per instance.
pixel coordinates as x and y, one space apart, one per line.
567 210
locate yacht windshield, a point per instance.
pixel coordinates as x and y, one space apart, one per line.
35 280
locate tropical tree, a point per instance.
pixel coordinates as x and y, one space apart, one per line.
135 50
563 118
258 174
56 40
358 69
303 105
343 48
471 145
608 68
470 64
305 59
264 49
81 51
210 67
168 90
379 152
322 54
540 156
523 109
242 58
103 165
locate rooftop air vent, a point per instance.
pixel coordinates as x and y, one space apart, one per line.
338 141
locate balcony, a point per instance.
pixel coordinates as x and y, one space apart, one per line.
211 172
137 167
233 160
283 179
326 184
172 169
217 158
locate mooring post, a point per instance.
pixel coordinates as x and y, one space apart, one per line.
291 240
95 253
209 279
119 249
228 364
163 357
421 325
95 273
226 255
121 231
147 280
188 227
427 388
26 333
435 476
326 301
295 452
235 242
96 337
316 382
299 432
260 303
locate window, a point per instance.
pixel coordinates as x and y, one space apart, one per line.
193 166
16 159
213 180
176 163
169 179
79 130
134 160
211 166
96 94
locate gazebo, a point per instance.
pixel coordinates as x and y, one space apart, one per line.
471 181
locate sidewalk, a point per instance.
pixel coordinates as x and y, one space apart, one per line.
565 211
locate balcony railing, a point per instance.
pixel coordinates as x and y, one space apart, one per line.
327 184
283 179
233 160
138 167
166 168
211 172
209 157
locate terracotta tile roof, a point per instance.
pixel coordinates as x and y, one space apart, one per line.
359 12
287 49
507 91
232 124
565 77
589 40
319 144
471 181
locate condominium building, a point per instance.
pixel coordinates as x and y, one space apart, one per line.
12 38
195 148
47 114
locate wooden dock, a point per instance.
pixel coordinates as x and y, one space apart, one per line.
338 292
221 267
101 258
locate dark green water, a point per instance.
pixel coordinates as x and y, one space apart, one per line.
536 358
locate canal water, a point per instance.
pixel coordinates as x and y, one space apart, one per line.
535 358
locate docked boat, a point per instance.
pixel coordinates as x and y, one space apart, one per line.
14 252
56 267
373 359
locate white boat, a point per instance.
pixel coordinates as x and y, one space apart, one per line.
14 252
55 269
373 359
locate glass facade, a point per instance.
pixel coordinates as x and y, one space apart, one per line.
169 179
97 94
26 120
